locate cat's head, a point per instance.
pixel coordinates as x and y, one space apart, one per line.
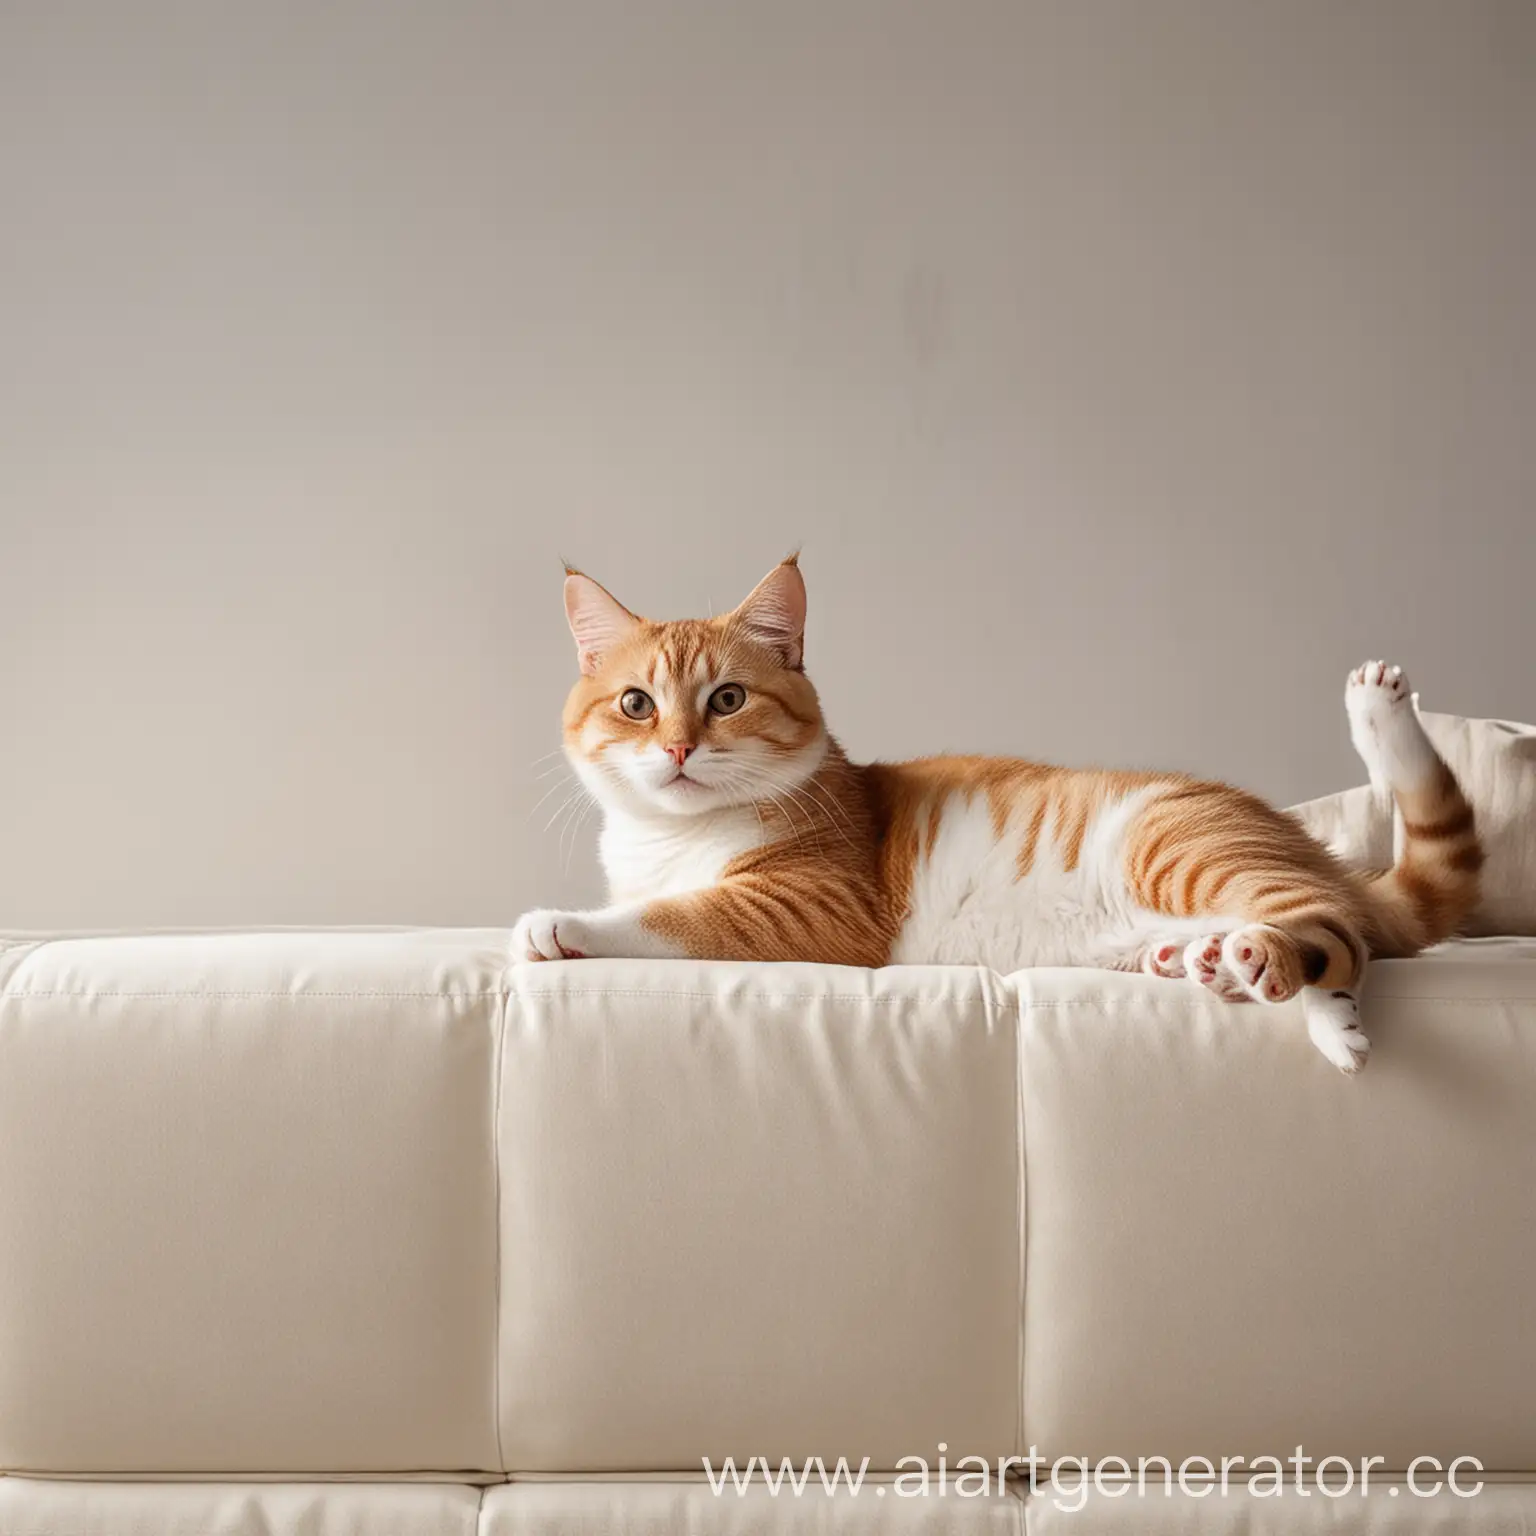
685 717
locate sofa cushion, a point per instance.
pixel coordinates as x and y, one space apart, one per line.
600 1508
1233 1249
251 1189
247 1204
757 1210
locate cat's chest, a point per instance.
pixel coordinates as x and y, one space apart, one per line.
646 861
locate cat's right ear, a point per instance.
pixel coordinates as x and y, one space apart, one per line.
598 620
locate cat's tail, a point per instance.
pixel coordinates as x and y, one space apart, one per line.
1432 887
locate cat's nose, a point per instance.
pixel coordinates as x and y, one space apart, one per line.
678 752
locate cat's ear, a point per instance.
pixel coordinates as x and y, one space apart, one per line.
598 620
774 612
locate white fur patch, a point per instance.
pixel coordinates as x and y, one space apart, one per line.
662 838
648 857
1333 1022
968 906
611 933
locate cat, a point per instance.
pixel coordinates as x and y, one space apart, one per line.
735 828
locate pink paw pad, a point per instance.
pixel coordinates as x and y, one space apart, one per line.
1165 960
1381 675
1260 967
1202 959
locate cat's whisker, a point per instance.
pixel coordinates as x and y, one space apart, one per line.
553 788
583 810
757 811
838 817
761 786
570 814
734 780
814 810
787 812
564 806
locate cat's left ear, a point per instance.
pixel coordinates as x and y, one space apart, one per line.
774 612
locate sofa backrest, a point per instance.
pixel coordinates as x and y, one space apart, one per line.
377 1203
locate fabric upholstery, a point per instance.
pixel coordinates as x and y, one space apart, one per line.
1231 1251
377 1204
1495 760
679 1509
764 1210
616 1508
1388 1509
248 1204
44 1508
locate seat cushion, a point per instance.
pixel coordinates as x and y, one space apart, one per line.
248 1204
375 1204
757 1210
1234 1249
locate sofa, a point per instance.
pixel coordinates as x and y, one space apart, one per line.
332 1233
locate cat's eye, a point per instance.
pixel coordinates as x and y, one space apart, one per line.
637 705
727 698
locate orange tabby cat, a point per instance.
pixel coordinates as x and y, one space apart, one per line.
735 828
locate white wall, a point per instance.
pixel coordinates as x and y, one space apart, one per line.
1127 370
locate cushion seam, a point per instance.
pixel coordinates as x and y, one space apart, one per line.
910 999
501 1038
907 999
257 996
1021 1207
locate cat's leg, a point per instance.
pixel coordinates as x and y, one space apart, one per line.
1268 964
607 933
1242 962
1251 962
747 918
1259 963
1386 730
1333 1022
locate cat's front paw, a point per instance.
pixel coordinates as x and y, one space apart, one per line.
1333 1021
545 934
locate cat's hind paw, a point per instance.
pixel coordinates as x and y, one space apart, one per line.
1265 962
1374 683
1204 965
1385 727
1164 958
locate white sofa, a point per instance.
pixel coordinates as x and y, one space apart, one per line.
369 1232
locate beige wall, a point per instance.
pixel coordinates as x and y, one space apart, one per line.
1127 370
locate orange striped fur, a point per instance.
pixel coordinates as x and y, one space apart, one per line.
736 828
